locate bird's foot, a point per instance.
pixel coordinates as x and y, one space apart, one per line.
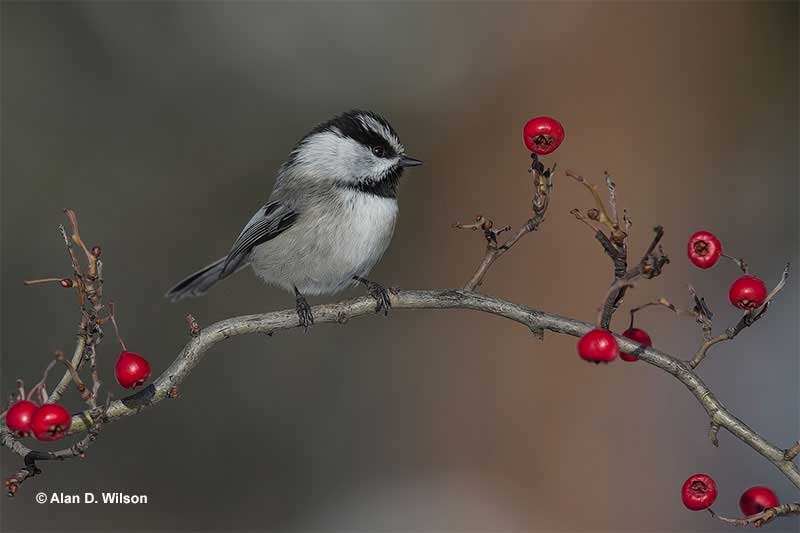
381 295
303 310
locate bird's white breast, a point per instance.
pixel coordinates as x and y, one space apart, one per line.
330 243
367 228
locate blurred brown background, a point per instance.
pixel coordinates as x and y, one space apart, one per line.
163 124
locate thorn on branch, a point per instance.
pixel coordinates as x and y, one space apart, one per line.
194 327
791 453
713 433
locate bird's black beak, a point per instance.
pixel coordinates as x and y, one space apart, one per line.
406 161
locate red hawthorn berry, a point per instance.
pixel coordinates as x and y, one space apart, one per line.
542 135
704 249
19 417
50 422
748 292
638 335
131 370
598 346
699 492
757 499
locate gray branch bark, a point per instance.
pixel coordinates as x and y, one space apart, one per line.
165 385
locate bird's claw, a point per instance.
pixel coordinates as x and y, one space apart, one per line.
304 312
379 293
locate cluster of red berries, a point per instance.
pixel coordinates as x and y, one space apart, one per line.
747 292
51 421
600 346
700 492
48 422
704 249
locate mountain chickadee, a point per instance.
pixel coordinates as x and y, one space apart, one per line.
329 219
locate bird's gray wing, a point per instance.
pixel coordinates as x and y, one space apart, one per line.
268 222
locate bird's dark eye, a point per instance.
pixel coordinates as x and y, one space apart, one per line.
378 151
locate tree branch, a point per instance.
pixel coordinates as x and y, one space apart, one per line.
542 188
90 287
342 312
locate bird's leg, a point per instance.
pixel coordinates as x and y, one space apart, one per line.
381 295
303 310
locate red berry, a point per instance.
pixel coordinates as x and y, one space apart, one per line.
50 422
598 346
19 417
699 492
638 335
757 499
748 292
704 249
131 370
542 135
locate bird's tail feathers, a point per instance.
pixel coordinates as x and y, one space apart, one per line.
198 283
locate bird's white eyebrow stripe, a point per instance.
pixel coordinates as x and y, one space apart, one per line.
376 126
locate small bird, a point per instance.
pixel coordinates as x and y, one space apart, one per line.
329 219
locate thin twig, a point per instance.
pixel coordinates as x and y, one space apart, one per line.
762 518
747 320
703 314
89 287
113 319
594 227
86 394
741 263
30 457
542 189
64 282
605 217
662 302
649 266
612 199
41 385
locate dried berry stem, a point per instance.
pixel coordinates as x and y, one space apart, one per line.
116 326
663 302
741 263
